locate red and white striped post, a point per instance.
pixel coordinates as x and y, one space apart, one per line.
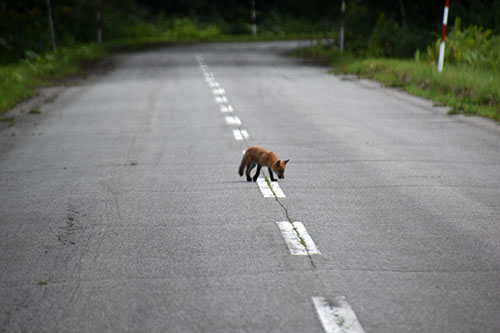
253 16
443 36
342 22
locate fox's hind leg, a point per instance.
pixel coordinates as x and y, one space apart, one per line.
250 166
257 173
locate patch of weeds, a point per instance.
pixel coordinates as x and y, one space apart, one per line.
133 163
43 282
51 99
35 110
10 120
340 321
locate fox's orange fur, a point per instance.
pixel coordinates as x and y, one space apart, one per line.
260 157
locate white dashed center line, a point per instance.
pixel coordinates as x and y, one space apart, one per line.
267 192
336 315
240 134
233 120
291 232
221 99
219 91
226 108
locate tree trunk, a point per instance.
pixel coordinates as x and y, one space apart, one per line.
51 24
403 14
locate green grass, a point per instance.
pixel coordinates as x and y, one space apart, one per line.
8 120
18 81
35 110
469 90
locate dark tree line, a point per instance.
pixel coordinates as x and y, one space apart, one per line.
424 13
24 24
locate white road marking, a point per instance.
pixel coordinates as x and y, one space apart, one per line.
220 99
267 192
240 134
214 84
230 120
291 233
226 108
336 315
219 91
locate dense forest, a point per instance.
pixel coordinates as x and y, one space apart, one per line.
386 27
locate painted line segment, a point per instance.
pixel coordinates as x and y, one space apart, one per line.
226 108
240 135
336 315
268 192
291 232
219 91
233 120
221 99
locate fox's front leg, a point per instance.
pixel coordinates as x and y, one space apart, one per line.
257 173
271 174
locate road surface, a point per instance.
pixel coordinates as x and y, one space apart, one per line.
121 208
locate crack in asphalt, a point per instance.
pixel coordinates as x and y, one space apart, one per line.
289 219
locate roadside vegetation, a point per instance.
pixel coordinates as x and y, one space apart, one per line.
469 83
27 60
395 42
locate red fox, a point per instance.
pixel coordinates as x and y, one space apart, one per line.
256 156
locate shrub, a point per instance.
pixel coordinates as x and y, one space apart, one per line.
473 46
389 39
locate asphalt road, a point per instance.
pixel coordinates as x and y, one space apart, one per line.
121 208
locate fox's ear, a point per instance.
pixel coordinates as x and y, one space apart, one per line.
278 163
286 161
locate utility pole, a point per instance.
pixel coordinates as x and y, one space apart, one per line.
253 16
98 21
443 37
51 24
342 22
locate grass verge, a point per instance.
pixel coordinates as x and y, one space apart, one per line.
18 81
466 89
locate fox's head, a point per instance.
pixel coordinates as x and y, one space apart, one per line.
279 168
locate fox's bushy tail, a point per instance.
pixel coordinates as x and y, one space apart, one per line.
242 164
